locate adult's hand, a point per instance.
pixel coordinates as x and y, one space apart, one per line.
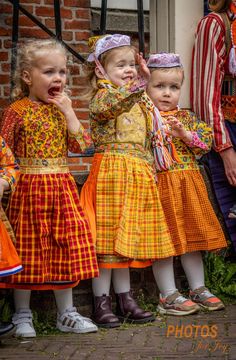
229 159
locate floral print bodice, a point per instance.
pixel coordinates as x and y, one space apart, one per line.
38 130
119 115
189 154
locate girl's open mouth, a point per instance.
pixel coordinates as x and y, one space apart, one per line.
53 90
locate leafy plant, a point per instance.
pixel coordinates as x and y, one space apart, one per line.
220 276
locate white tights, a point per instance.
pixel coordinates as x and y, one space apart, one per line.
63 299
120 280
163 271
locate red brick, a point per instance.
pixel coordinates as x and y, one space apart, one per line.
5 32
4 79
47 11
3 56
33 33
82 35
25 21
77 24
83 13
77 3
5 9
6 68
29 2
67 36
6 91
50 23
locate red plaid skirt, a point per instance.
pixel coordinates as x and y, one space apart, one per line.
53 238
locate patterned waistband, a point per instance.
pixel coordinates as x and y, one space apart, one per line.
228 104
120 146
43 166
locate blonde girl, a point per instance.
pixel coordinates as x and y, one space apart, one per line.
52 236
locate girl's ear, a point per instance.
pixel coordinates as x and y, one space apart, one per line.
26 77
98 73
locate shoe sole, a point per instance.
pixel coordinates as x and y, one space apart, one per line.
220 307
76 331
8 334
138 321
163 311
108 326
29 335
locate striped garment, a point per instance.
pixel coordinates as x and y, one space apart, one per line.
208 71
213 100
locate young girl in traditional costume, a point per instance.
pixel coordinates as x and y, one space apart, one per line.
53 238
192 222
120 195
10 262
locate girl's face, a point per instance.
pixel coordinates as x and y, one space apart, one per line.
164 88
47 76
120 66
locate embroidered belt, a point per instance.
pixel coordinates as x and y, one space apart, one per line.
228 104
43 166
119 146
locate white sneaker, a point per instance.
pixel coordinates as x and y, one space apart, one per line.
72 321
23 322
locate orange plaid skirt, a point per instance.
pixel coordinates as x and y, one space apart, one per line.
189 214
53 238
122 203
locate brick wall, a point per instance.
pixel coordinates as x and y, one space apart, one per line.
76 20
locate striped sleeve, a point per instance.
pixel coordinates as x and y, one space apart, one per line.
209 55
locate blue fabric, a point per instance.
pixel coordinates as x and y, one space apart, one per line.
225 193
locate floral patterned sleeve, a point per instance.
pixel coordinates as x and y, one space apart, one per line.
80 141
202 134
109 102
9 169
10 127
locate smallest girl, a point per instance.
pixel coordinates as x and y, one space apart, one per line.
10 262
191 219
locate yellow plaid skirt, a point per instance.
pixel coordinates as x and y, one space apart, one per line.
122 202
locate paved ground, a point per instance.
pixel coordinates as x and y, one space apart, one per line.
201 336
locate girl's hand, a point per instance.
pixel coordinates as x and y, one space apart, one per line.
176 129
229 159
143 69
4 185
64 104
62 101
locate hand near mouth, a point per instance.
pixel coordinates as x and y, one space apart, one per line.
61 100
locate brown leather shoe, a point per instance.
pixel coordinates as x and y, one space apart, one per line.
128 310
102 314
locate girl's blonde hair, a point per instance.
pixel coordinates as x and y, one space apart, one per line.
89 69
26 58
